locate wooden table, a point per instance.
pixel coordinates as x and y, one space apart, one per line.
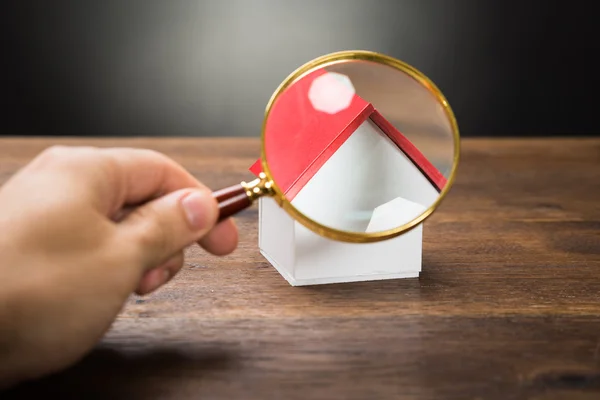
508 306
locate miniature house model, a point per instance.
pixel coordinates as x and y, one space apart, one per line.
324 145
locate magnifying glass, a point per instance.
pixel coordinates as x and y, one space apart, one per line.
356 146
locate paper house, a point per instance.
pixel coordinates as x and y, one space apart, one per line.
324 145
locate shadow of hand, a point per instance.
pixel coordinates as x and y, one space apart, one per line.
109 373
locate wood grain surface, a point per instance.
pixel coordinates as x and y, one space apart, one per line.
507 307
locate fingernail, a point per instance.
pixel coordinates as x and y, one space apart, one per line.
198 210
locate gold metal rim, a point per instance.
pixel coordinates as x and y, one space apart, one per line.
342 56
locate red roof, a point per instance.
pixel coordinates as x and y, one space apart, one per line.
299 139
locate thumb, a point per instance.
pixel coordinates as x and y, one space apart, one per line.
165 226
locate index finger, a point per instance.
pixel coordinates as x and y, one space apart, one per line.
141 175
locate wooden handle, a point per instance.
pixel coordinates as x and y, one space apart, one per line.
231 201
227 193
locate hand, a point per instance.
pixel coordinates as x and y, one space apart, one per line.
83 229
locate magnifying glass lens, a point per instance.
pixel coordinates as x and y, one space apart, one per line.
359 146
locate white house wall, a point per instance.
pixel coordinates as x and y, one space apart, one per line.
320 260
367 171
276 236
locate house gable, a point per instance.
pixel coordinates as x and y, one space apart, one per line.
364 174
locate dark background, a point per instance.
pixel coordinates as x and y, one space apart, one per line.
208 68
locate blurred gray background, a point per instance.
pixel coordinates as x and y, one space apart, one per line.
208 67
